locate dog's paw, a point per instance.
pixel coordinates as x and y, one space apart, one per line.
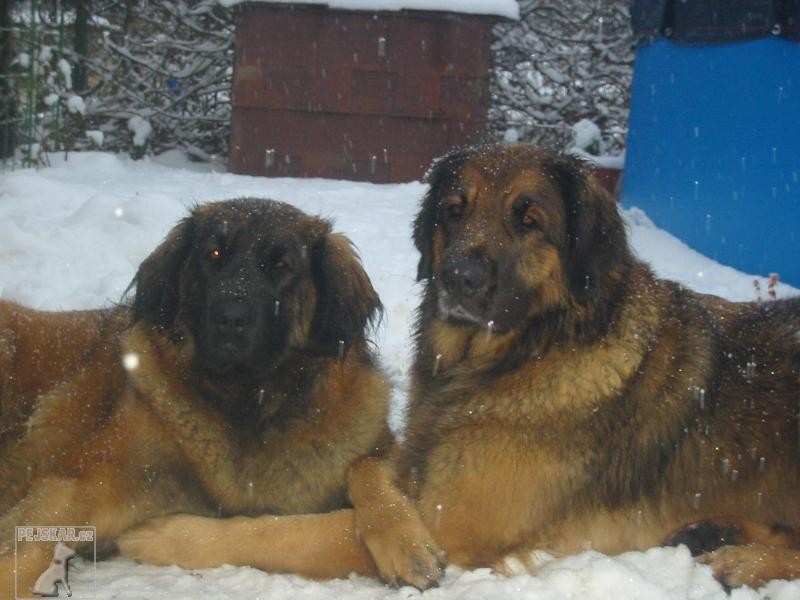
752 565
405 553
174 540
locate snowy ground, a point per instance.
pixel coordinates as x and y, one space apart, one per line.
73 234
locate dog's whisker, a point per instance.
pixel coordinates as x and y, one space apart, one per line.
489 330
277 307
341 349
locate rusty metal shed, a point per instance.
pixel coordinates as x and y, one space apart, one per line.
360 95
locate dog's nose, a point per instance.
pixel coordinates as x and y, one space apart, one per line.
466 278
232 316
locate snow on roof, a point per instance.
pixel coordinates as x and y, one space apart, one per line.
500 8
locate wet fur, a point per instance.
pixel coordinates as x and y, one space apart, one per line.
609 409
85 441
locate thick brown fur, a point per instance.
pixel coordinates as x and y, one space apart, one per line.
563 398
269 425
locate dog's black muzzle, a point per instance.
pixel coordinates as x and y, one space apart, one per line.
232 329
465 289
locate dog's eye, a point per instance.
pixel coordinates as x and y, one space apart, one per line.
528 221
215 254
454 208
525 214
274 261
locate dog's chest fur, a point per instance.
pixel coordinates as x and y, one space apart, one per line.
570 399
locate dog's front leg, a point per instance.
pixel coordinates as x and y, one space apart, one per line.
391 527
319 546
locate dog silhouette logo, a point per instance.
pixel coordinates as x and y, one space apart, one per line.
56 573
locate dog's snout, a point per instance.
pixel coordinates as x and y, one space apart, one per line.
232 316
466 278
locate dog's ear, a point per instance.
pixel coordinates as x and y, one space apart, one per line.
347 304
597 244
158 278
441 174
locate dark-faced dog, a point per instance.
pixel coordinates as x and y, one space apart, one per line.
239 381
562 398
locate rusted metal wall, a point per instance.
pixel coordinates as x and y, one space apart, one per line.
355 95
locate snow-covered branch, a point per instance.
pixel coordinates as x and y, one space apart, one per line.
560 64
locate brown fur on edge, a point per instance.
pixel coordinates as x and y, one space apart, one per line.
249 385
563 398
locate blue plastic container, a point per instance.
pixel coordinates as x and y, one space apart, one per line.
713 151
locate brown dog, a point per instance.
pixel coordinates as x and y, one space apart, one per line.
563 398
254 315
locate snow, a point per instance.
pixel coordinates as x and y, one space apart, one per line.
511 135
501 8
586 134
141 129
75 104
45 54
73 235
606 161
66 72
95 135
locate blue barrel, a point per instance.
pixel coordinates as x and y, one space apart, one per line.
713 151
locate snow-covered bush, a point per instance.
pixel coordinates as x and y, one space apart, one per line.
587 138
155 75
159 75
563 62
54 115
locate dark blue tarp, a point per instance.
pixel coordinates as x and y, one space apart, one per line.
713 21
